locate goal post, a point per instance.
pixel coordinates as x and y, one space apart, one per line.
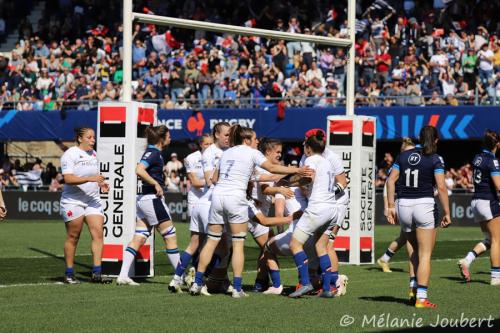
129 16
358 176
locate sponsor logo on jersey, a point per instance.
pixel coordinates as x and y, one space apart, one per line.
414 159
495 162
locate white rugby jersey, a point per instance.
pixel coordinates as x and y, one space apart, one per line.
265 200
332 157
236 167
194 165
292 205
210 161
82 164
323 187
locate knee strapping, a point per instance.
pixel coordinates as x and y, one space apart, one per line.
214 235
300 235
143 233
239 236
169 232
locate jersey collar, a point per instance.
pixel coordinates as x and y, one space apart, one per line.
153 147
488 152
418 146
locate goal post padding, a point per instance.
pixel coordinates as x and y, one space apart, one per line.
120 145
353 138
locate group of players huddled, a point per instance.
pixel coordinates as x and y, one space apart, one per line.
236 178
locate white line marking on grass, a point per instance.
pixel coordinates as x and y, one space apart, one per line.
31 284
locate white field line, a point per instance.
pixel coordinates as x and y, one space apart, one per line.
247 272
60 256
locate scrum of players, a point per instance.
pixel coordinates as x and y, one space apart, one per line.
235 178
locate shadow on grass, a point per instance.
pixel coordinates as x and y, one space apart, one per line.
52 255
373 268
462 281
386 299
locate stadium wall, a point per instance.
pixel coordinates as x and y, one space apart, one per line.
45 206
454 123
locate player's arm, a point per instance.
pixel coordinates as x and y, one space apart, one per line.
442 191
386 201
391 189
195 181
71 179
270 190
267 177
274 221
340 184
284 170
279 206
140 170
3 211
495 173
294 181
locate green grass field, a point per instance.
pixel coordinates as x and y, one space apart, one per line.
31 264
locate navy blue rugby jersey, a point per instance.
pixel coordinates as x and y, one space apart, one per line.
416 173
153 161
485 165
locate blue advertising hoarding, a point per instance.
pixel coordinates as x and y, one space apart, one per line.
465 122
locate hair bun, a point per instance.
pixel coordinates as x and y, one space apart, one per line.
320 135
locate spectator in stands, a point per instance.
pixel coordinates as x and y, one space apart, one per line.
428 44
436 99
415 93
55 183
485 58
449 182
173 165
173 182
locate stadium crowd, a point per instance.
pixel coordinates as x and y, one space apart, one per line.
444 53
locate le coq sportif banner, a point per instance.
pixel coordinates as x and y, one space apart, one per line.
45 206
464 122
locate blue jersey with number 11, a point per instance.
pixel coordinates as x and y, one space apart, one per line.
416 173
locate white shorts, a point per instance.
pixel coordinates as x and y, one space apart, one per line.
316 217
342 205
199 217
416 213
254 227
152 209
257 229
485 210
228 209
72 211
282 242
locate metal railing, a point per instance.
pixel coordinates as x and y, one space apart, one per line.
261 102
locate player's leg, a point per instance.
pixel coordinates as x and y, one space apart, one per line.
238 235
426 239
196 228
395 245
412 293
261 237
325 264
479 248
494 229
142 232
73 231
299 238
186 256
95 224
214 236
